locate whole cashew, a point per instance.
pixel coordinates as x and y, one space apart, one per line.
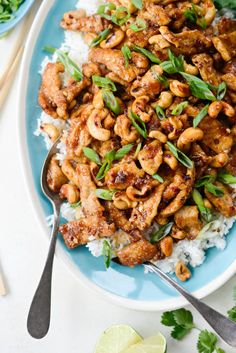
164 101
188 136
142 109
170 160
125 130
51 130
179 89
69 192
122 201
94 124
158 135
166 246
220 160
113 39
218 106
182 271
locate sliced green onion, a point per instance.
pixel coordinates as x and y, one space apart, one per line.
200 115
104 194
178 110
127 54
138 124
107 253
103 9
120 16
138 25
49 49
204 180
177 62
160 113
161 233
158 177
123 151
160 78
92 155
137 3
214 190
111 101
221 91
75 205
226 178
182 158
104 82
198 87
205 212
102 35
138 149
152 57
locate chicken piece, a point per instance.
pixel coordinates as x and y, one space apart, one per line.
141 38
187 219
225 44
181 197
122 175
137 253
55 176
114 60
53 98
143 215
224 204
150 157
87 24
77 233
226 25
231 165
186 42
230 67
205 65
119 218
174 187
216 135
90 69
154 14
200 159
230 80
148 84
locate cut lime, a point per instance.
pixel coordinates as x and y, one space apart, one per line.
116 339
154 344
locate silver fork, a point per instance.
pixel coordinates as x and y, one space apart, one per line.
38 321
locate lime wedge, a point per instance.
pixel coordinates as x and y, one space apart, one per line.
116 339
154 344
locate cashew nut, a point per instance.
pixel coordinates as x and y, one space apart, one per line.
113 39
188 136
98 102
158 135
94 124
170 160
55 176
182 271
218 106
150 157
190 69
164 101
125 130
142 109
159 41
179 89
122 202
166 246
220 160
69 192
51 130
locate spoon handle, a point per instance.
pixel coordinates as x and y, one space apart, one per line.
224 327
38 321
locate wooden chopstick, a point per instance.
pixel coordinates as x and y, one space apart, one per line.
3 290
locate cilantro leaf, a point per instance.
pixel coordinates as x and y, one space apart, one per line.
206 342
184 318
168 319
232 313
179 332
219 350
234 294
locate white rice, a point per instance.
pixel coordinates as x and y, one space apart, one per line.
191 252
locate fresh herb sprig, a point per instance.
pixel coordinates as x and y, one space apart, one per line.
120 16
174 64
182 323
232 312
92 155
192 15
7 9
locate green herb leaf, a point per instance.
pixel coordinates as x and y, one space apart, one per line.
226 178
104 82
92 155
168 67
184 318
179 108
108 159
107 253
123 151
104 194
177 62
160 113
193 16
103 9
205 212
219 350
111 101
200 115
232 314
179 332
102 35
70 66
49 49
75 205
215 190
138 149
138 124
158 177
120 16
152 57
223 4
221 91
204 180
168 319
127 54
137 3
182 158
160 78
138 25
161 233
7 9
206 342
198 87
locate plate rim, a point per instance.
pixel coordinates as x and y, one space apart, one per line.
26 170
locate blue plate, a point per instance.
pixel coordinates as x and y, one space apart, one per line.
18 15
128 287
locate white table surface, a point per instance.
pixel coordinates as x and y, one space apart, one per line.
78 315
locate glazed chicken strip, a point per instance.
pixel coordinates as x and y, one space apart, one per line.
73 21
94 224
115 62
187 219
137 253
224 204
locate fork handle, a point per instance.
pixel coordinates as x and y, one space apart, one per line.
38 321
224 327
